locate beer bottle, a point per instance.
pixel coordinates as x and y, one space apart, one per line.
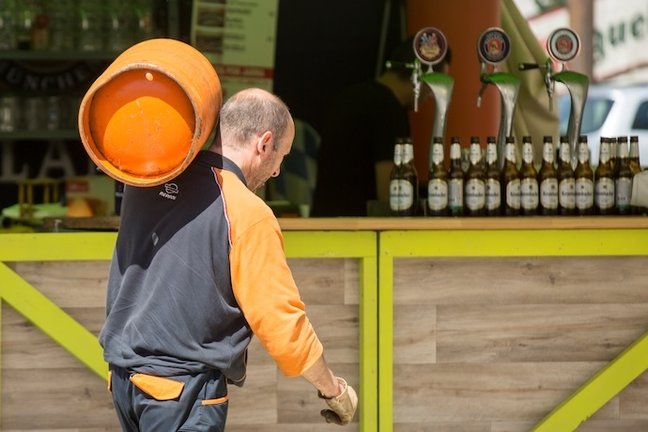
437 199
492 178
409 184
584 180
510 180
455 180
635 163
623 179
475 187
548 179
613 153
566 181
395 178
604 181
528 180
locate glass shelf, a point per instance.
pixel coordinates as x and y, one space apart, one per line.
35 55
40 134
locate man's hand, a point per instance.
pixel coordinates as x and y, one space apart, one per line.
342 407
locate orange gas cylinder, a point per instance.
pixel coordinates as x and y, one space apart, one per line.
149 113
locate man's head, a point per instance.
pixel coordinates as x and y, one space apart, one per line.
256 131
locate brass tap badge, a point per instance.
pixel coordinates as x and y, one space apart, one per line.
563 44
493 46
430 45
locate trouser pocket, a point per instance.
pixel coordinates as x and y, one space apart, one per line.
209 410
159 388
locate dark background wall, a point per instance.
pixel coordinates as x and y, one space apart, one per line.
325 46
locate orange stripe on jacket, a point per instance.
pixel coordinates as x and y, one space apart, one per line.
262 281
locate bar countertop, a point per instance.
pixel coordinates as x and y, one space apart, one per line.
111 223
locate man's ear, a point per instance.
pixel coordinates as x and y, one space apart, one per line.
264 143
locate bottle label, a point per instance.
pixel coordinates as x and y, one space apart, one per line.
437 154
623 190
437 194
583 152
566 193
510 152
401 194
565 152
493 194
584 193
513 194
527 153
548 152
604 152
475 154
455 193
491 153
475 194
604 193
529 193
549 193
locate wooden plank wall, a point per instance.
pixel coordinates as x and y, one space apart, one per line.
494 344
44 388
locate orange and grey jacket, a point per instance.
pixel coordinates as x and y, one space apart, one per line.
199 267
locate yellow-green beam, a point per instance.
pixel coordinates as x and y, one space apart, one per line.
75 246
53 321
598 390
492 243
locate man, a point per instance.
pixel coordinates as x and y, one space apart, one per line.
198 269
359 130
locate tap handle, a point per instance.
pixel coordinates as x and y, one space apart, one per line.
481 92
528 66
416 83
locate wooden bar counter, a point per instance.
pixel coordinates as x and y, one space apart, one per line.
442 324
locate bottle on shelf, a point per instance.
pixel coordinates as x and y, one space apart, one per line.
566 180
623 176
528 180
437 199
635 165
510 180
395 178
475 187
455 180
548 180
613 152
635 162
604 181
584 180
403 187
492 178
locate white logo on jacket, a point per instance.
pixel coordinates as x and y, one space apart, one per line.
170 191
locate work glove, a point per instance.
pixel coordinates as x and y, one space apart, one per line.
342 407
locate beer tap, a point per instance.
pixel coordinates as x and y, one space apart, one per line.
493 48
563 45
430 47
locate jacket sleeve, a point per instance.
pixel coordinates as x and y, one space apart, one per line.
268 296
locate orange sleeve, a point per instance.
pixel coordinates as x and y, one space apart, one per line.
266 292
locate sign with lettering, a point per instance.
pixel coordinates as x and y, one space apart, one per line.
238 37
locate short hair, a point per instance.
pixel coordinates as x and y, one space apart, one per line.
250 112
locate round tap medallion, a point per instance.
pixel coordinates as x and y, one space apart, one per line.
563 44
493 46
430 45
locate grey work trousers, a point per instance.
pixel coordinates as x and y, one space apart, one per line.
201 405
